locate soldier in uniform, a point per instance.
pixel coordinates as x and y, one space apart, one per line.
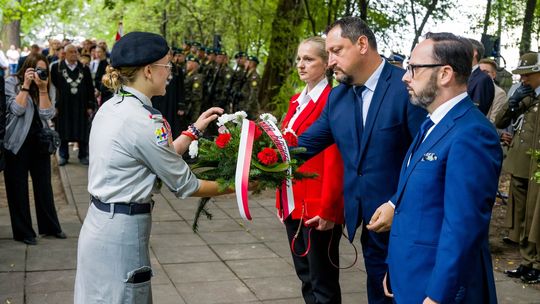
221 79
237 81
193 85
132 153
523 214
249 94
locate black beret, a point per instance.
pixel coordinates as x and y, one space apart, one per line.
221 52
210 51
195 44
138 49
239 54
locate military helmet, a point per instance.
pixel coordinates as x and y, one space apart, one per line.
528 63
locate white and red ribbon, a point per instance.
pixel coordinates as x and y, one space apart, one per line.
287 197
242 167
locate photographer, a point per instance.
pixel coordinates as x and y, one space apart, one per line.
28 107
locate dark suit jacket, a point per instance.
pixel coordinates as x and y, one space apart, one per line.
371 163
481 90
439 237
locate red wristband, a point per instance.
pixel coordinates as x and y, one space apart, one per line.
189 134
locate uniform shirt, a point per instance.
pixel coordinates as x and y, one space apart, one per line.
130 148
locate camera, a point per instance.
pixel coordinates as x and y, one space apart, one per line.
42 73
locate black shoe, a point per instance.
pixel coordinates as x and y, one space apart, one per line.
62 161
84 161
518 272
531 277
29 241
509 241
60 235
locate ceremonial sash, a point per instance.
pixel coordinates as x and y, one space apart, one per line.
287 197
242 167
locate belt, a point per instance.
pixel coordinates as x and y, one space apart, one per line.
124 208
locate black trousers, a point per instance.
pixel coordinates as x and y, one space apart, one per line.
64 149
30 160
320 279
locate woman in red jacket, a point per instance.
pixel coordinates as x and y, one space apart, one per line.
319 201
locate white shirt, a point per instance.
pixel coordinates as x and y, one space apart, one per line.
367 94
442 110
71 67
537 91
304 98
94 65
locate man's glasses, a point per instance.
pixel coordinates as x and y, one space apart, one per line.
169 65
412 67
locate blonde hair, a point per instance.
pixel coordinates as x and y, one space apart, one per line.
319 44
115 78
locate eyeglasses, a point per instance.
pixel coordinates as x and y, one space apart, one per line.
411 67
169 65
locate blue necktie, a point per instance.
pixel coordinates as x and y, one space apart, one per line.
428 123
360 112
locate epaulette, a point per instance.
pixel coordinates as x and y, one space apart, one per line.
155 114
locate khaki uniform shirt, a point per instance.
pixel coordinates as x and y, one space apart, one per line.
527 135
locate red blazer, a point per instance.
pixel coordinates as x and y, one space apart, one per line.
322 196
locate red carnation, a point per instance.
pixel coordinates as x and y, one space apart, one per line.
258 132
268 156
291 139
223 139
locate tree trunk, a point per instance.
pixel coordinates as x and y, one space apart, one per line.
364 9
163 27
430 9
525 43
487 17
310 18
14 33
286 29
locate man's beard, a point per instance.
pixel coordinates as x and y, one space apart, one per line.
426 97
344 78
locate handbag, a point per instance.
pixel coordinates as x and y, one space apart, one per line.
49 140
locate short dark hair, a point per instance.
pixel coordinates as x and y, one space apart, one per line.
454 51
479 48
491 62
352 28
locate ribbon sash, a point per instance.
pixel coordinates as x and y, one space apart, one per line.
243 163
287 197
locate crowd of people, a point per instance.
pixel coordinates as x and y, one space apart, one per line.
410 157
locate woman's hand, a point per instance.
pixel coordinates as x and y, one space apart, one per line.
207 117
29 76
42 84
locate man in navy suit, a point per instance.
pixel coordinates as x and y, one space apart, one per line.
480 86
439 251
371 120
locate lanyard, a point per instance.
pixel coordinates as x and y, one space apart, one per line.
128 94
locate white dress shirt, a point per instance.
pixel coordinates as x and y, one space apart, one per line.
367 94
304 98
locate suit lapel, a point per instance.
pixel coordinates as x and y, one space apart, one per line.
292 110
440 130
308 110
374 107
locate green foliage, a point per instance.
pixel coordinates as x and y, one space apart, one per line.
535 154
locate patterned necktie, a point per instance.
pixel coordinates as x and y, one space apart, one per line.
428 123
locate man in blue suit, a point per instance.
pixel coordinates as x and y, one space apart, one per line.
480 86
439 251
371 120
